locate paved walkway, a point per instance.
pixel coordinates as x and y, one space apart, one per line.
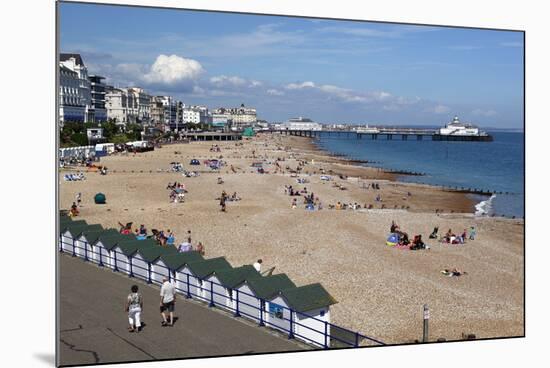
93 323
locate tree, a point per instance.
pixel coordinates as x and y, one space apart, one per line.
119 139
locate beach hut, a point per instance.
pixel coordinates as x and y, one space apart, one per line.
168 264
71 233
251 294
123 252
87 241
193 273
84 241
219 284
145 256
105 244
65 243
302 312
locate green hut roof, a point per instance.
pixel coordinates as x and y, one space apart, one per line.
235 276
93 236
65 226
151 254
178 260
75 231
308 297
129 247
266 287
204 268
110 240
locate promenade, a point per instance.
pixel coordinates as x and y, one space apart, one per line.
93 324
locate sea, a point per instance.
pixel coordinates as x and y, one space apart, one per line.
496 166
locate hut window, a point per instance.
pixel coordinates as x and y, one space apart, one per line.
276 310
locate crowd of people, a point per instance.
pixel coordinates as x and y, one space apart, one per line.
163 238
177 192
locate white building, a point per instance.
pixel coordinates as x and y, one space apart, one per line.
74 63
141 105
241 117
71 100
301 124
119 106
196 115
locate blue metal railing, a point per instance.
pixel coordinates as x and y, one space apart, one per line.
319 332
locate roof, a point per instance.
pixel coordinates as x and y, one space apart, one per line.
178 260
65 225
150 254
128 247
66 56
308 297
93 236
232 277
110 240
268 286
79 229
204 268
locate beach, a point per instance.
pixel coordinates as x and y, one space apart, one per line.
380 290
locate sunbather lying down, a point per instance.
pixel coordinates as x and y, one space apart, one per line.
453 272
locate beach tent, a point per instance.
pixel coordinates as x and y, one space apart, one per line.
145 256
99 198
218 286
302 312
250 293
171 265
392 240
197 272
248 132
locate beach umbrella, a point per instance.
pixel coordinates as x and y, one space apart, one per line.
392 240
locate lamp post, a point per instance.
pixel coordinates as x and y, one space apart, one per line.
425 327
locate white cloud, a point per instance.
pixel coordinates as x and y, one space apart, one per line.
274 92
486 113
438 109
173 69
307 84
255 83
224 80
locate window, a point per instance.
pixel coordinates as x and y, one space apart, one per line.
275 310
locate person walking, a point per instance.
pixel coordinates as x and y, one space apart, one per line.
134 306
167 301
78 199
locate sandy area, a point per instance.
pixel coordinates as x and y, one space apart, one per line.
381 290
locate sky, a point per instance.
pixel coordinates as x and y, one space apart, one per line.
327 70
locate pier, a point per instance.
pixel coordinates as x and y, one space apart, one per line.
389 134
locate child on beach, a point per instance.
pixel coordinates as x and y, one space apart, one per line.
472 233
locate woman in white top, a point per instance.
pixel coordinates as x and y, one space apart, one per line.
134 306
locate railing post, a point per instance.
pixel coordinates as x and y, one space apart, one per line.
61 242
74 249
291 329
262 304
100 257
149 272
326 335
131 268
211 304
188 288
115 262
357 339
237 314
85 251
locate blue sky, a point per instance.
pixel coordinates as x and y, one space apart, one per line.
330 71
